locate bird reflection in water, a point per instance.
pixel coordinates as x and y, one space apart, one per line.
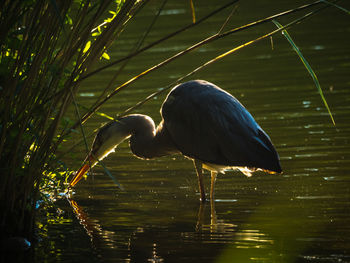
93 229
216 226
148 244
155 257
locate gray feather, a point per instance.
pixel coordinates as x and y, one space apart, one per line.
209 124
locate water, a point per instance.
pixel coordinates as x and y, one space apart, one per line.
299 216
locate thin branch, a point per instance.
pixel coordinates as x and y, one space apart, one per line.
228 18
81 127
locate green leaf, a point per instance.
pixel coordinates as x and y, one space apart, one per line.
106 56
69 20
87 46
307 66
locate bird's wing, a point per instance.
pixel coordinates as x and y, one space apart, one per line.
209 124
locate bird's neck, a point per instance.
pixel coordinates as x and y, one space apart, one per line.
146 141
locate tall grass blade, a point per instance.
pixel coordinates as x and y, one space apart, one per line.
193 12
307 66
57 12
337 6
81 127
104 115
227 19
110 175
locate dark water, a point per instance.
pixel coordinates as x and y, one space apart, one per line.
299 216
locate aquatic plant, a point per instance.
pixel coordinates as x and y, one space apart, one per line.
46 46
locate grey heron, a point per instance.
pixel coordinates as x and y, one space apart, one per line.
200 121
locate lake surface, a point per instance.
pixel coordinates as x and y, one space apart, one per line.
302 215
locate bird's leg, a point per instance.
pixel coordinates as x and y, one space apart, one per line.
213 218
200 219
212 185
199 171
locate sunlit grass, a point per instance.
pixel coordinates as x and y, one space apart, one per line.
307 66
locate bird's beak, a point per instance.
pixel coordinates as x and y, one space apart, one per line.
89 160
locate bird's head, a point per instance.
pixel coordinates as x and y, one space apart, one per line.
106 140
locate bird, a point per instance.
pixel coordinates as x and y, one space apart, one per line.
200 121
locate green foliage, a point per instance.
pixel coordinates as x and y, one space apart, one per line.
55 180
45 47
